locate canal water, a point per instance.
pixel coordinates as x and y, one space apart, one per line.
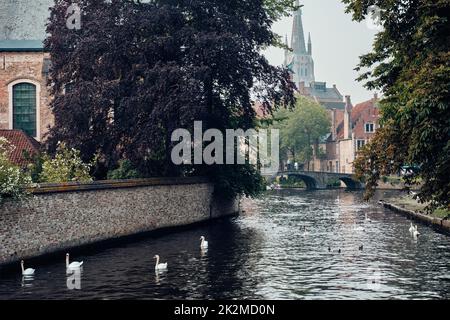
287 245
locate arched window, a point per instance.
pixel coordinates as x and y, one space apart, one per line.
24 109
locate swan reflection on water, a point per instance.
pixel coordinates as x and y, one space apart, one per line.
74 278
159 276
204 253
27 281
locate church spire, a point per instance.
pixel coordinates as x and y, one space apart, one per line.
301 58
309 44
298 36
286 51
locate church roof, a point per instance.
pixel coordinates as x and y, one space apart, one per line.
331 98
333 105
21 46
24 19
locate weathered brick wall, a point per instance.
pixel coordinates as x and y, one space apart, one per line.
24 65
59 219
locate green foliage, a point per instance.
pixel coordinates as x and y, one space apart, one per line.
13 180
301 128
186 61
442 213
277 9
66 166
410 63
34 167
333 183
292 182
238 180
124 171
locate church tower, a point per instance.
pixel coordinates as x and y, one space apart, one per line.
301 62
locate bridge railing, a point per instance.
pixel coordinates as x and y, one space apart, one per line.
315 171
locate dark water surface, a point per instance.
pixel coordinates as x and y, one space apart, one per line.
264 253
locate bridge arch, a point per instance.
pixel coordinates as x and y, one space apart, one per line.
350 183
320 180
310 182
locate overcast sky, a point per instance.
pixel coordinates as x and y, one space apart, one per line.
337 40
337 44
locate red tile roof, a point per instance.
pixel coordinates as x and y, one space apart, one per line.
22 142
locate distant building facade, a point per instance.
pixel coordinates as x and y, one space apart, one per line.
24 98
24 68
356 126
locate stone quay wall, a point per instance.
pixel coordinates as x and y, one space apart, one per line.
62 216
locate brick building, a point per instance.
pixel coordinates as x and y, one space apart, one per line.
354 131
24 99
24 67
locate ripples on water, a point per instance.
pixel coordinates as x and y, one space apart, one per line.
264 253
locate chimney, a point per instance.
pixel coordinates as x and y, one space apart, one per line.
348 118
348 102
375 96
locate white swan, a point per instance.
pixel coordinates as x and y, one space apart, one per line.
367 218
159 266
27 272
73 265
204 243
411 228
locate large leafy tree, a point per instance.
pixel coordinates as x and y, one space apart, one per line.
410 62
136 71
301 128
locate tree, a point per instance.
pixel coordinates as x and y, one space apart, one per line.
66 166
277 9
301 128
13 180
410 62
137 71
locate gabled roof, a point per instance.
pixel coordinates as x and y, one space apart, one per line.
365 112
22 143
320 90
331 98
333 105
21 46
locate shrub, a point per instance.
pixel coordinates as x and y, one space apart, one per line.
66 166
13 180
124 171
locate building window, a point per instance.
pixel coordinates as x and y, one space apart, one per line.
360 144
370 128
24 108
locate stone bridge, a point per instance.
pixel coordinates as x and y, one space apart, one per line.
320 180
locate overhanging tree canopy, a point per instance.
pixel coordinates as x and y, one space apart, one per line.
410 62
136 71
